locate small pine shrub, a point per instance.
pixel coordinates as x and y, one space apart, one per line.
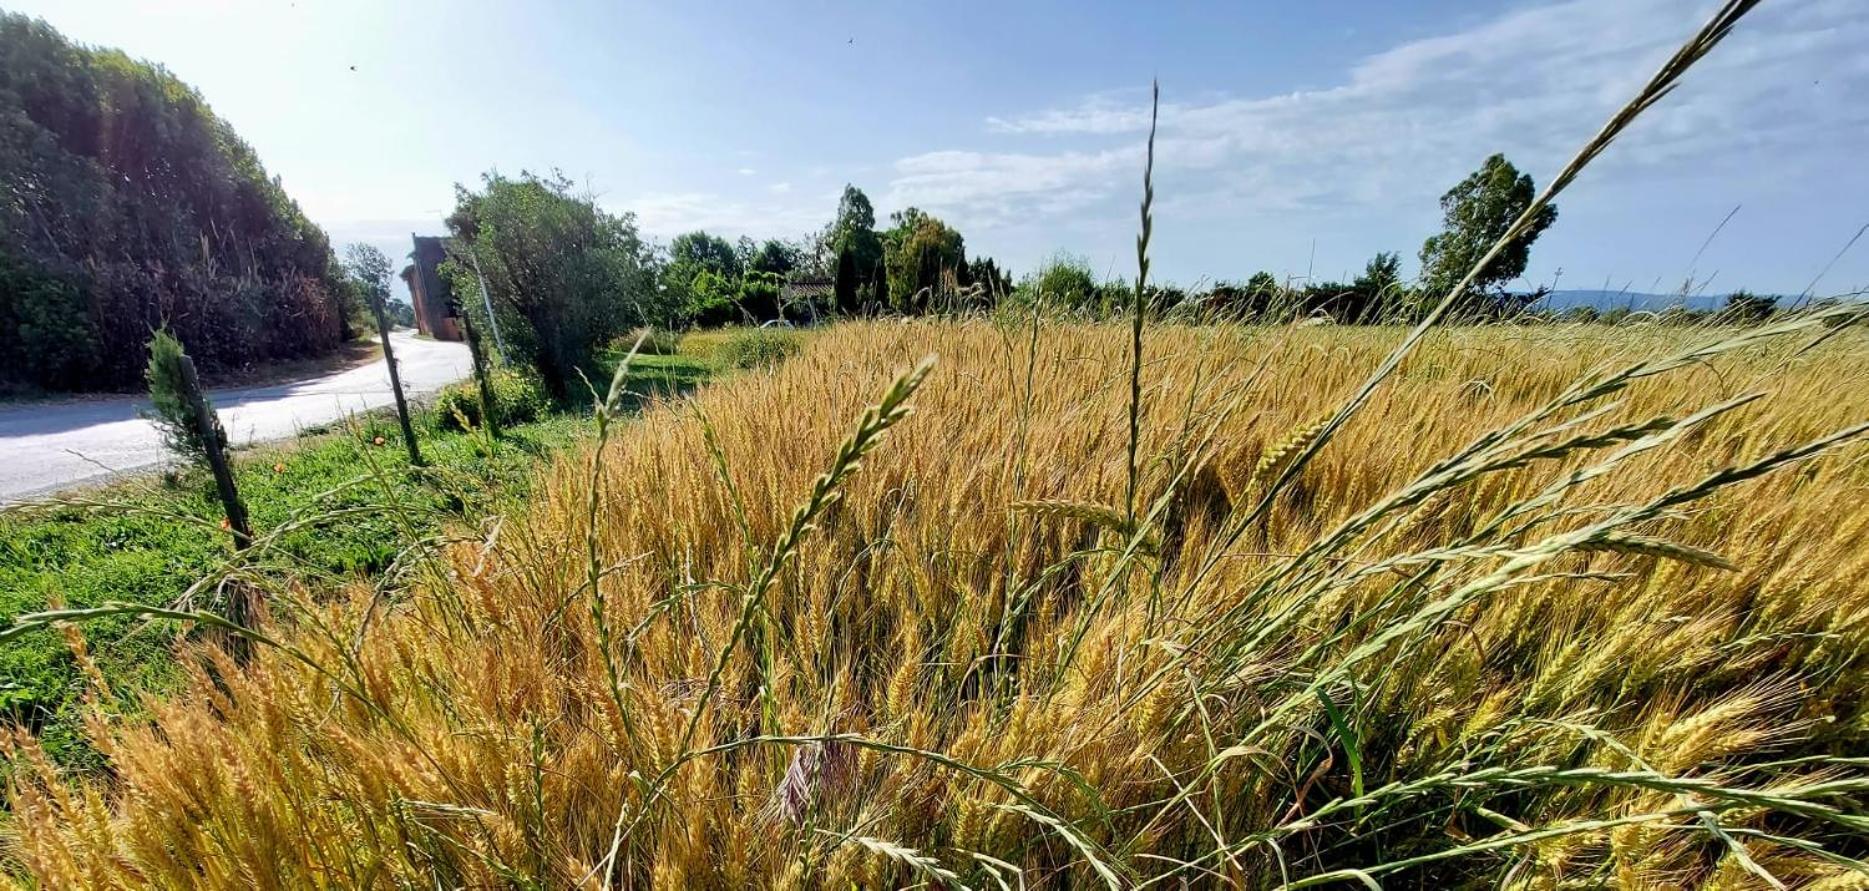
757 348
517 398
172 400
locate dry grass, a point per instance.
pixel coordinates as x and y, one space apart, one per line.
1520 665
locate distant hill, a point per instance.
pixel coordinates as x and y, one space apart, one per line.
1634 301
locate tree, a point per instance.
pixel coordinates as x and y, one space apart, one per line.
879 286
698 251
369 274
759 295
127 205
854 229
565 278
844 288
922 253
703 279
776 257
1476 213
1065 280
1746 307
994 281
1379 289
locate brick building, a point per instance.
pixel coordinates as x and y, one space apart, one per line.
436 313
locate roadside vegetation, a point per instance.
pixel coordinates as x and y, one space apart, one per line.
126 205
338 507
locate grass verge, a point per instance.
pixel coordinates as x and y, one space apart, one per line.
336 507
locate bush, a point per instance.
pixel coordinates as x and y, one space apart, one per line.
517 398
757 347
659 342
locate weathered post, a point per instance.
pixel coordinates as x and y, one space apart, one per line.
483 375
395 379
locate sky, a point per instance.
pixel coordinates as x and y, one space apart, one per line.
1296 138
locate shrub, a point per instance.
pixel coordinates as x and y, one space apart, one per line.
757 347
564 276
658 342
517 398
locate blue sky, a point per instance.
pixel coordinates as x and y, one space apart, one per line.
1294 137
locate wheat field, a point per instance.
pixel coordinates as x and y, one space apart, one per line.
1502 628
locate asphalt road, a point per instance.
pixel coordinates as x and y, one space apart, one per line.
45 448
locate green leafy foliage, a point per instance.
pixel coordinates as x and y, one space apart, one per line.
565 277
1747 307
1065 280
126 205
854 231
172 396
1477 212
926 259
759 295
756 348
517 399
844 288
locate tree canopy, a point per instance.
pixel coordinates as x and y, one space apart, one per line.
1477 212
854 230
127 206
564 276
925 257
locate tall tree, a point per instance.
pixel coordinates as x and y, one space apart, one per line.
844 287
922 253
126 205
879 286
698 251
1476 213
1379 289
565 277
854 229
703 278
369 274
776 257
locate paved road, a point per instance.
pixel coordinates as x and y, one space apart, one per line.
44 448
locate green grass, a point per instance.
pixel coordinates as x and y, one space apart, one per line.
330 508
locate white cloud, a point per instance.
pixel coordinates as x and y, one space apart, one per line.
1099 113
665 215
746 171
1405 123
779 188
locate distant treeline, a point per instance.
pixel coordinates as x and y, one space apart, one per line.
125 206
919 264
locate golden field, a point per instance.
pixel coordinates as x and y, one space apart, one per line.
1501 629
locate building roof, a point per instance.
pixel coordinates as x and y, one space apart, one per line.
807 288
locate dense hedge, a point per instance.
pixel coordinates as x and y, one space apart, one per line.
126 205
